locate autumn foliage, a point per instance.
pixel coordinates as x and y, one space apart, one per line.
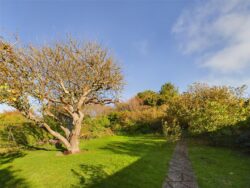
61 80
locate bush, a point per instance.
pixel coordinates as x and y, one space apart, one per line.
16 131
207 109
148 120
172 130
94 127
23 135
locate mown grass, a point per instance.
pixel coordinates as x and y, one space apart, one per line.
117 161
219 167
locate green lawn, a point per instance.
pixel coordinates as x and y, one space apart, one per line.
219 167
117 161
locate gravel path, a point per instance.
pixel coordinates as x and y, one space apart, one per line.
180 174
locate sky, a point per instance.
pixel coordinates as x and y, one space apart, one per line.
155 41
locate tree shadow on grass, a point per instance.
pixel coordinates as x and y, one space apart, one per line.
147 172
8 178
88 174
9 157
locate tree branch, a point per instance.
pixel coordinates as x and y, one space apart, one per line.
66 131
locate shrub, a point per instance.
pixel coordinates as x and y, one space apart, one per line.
147 120
16 131
172 130
207 109
96 127
149 97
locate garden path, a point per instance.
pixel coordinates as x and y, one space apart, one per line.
180 173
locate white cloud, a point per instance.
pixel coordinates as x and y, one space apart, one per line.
230 59
218 32
227 80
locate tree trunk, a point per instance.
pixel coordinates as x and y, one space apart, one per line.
75 134
71 141
74 144
58 136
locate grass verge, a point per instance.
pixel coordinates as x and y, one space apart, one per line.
219 167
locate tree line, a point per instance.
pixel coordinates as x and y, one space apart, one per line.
64 88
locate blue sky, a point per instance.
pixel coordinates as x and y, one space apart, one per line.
155 41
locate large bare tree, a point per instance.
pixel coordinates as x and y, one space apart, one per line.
63 79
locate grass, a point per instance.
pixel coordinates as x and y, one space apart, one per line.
117 161
219 167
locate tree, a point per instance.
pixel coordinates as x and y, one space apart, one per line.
149 97
167 93
206 109
63 79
